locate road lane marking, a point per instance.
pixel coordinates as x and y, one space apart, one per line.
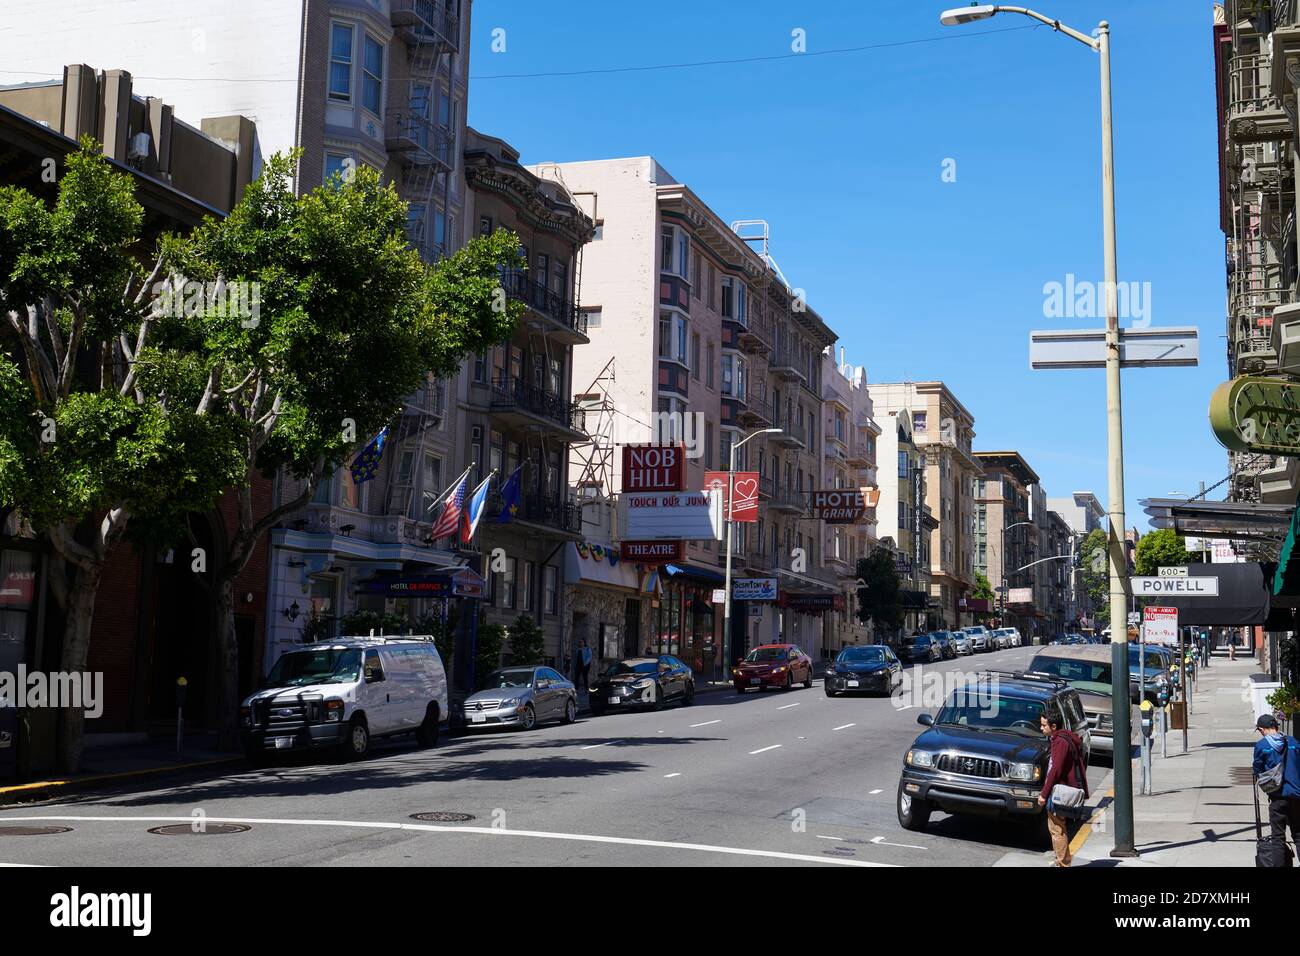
820 837
787 706
707 722
484 831
874 792
843 726
763 750
594 746
670 775
880 841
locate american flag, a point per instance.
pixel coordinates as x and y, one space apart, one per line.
449 520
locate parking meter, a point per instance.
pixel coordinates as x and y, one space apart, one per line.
181 685
1147 723
1148 718
1162 694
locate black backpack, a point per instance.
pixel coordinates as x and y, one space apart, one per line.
1270 851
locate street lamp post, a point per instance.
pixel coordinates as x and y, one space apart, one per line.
1124 846
731 489
1004 591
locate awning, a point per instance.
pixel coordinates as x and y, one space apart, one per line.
1240 520
692 573
1244 595
914 600
588 565
463 582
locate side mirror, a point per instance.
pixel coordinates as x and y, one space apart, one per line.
925 720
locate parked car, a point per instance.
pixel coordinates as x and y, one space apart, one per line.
1002 638
1087 668
980 639
344 694
521 697
1157 671
773 665
920 648
873 667
984 752
1017 639
642 682
962 641
947 646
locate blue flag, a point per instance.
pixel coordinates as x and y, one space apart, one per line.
511 497
366 464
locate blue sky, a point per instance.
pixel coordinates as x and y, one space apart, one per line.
843 155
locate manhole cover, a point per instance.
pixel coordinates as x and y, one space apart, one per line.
32 831
443 816
200 829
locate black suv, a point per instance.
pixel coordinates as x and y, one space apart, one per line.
984 752
920 647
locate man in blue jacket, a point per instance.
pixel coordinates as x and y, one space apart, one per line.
1284 805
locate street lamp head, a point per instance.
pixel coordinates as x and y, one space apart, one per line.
960 15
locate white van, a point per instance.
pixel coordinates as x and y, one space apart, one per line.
344 693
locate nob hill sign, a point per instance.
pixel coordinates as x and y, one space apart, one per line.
654 467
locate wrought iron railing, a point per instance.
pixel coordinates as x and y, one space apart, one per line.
511 393
519 286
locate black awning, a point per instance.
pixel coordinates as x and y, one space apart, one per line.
1244 595
913 600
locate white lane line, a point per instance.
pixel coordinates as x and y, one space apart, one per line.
880 841
594 746
820 837
843 726
787 706
485 831
707 722
763 750
669 776
874 792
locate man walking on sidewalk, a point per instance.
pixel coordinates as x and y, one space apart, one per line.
1273 748
1064 767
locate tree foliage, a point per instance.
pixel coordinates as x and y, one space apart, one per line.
527 640
1160 549
1094 564
879 590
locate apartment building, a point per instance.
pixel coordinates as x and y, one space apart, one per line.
1007 537
849 442
906 523
154 618
944 430
1081 512
348 82
695 338
1256 66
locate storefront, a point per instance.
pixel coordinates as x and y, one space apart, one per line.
687 622
604 605
19 609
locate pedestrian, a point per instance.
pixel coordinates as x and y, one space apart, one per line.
1274 748
1065 785
584 666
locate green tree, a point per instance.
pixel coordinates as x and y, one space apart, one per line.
1094 564
879 598
488 643
527 641
381 622
1160 549
351 323
983 588
108 424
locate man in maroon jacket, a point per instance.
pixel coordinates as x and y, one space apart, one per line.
1064 765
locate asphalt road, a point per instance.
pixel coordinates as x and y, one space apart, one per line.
777 778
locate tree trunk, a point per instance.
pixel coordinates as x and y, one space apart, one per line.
228 718
76 650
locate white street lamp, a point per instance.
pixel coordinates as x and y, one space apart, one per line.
731 491
1124 845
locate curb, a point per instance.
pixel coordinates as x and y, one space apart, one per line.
44 789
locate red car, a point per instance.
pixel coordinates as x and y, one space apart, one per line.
773 665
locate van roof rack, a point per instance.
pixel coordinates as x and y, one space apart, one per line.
1032 676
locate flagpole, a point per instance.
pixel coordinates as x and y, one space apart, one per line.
450 488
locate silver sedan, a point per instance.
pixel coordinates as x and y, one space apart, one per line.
521 697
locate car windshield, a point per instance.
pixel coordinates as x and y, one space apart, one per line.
1082 675
759 654
921 639
1155 662
631 667
974 707
515 677
857 655
324 666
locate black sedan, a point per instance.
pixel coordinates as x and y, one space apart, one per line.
642 682
870 668
920 647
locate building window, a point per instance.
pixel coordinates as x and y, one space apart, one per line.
485 225
918 423
476 450
727 297
526 587
340 62
666 249
708 444
372 76
697 285
592 317
709 366
508 583
695 356
551 589
481 368
336 164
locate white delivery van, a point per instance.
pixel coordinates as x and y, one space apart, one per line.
343 694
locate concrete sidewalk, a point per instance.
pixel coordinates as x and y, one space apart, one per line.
1200 811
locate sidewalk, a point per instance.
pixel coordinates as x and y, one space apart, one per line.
1200 811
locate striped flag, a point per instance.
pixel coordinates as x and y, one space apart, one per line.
450 517
477 505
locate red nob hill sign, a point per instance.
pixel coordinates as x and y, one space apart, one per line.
654 468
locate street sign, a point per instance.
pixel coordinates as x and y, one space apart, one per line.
1160 625
1172 572
1200 586
1255 413
1161 347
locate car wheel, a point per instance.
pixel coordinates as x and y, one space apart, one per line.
829 692
913 813
426 735
357 742
807 681
789 681
688 697
571 711
739 689
530 718
598 710
658 702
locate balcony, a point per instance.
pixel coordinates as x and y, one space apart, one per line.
563 318
754 413
527 406
425 24
785 364
550 515
415 141
1256 353
1255 114
788 500
755 337
792 434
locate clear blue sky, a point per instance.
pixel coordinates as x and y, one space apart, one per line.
843 155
